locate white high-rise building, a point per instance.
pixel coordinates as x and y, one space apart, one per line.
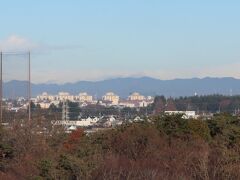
45 97
110 96
136 97
84 97
62 96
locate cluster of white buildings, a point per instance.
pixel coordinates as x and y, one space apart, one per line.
134 100
93 123
62 96
45 100
19 104
109 99
90 122
186 114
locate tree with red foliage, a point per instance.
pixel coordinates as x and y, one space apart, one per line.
73 139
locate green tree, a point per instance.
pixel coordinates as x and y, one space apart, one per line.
199 128
45 167
172 125
226 128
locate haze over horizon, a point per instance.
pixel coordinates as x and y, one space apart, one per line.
121 78
96 40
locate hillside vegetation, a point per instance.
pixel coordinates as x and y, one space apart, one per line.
162 147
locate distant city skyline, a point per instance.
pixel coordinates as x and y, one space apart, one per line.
95 40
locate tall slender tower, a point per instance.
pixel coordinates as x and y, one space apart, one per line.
65 111
1 89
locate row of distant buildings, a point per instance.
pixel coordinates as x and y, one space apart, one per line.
109 99
94 123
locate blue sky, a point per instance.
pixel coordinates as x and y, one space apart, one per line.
91 40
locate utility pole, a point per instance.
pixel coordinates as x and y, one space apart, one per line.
1 88
64 110
29 86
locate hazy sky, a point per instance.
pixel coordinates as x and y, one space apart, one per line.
97 39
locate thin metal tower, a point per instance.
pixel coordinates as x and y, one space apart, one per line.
1 88
1 81
29 85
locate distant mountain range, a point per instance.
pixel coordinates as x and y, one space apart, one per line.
125 86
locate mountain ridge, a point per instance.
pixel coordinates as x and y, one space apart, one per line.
123 86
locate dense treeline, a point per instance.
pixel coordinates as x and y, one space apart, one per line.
210 103
200 104
162 147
